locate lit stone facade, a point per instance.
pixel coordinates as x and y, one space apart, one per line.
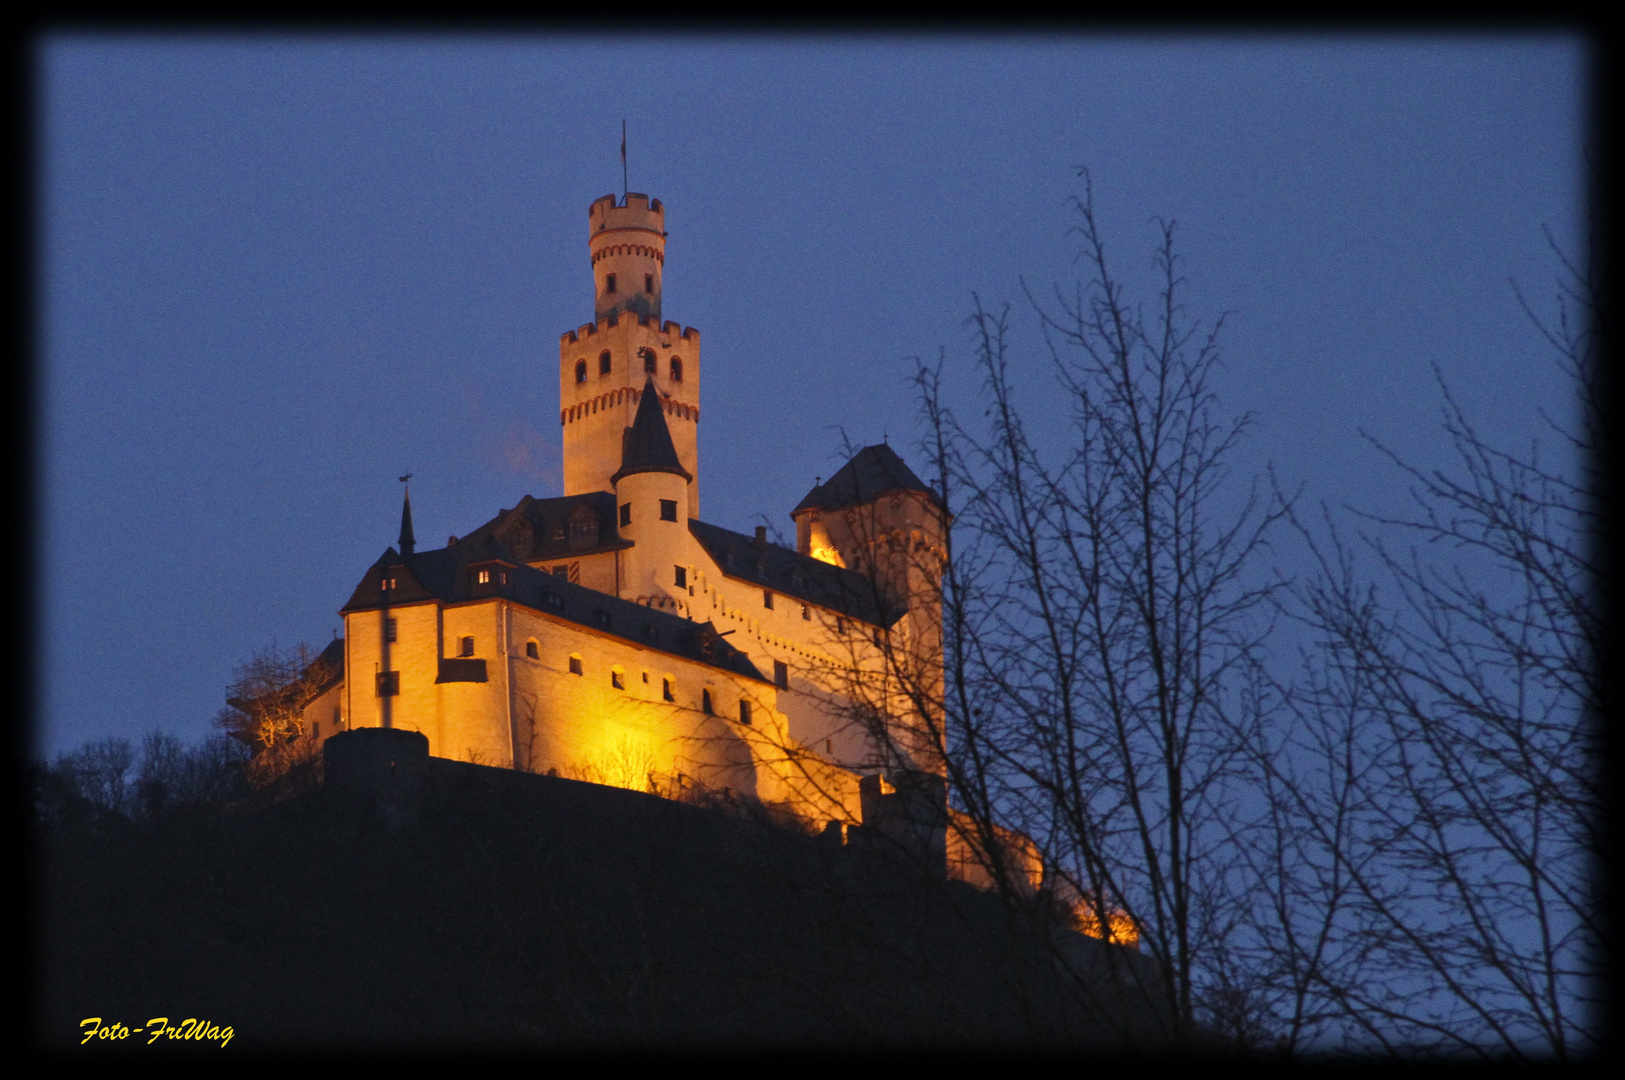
611 635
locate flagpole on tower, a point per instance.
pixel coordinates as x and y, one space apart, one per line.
623 162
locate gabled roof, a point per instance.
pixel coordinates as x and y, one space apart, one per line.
873 472
794 574
542 530
646 446
447 575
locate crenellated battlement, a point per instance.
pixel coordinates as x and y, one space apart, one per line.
637 212
667 329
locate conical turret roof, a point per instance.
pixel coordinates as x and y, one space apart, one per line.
646 446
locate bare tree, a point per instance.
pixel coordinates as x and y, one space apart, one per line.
1093 688
266 700
1439 802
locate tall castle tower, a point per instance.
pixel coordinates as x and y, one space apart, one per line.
605 365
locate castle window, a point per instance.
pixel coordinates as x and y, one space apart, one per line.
668 509
744 711
767 599
609 283
705 702
581 371
648 283
604 363
682 577
617 678
315 729
532 650
575 664
465 647
485 577
781 675
389 629
878 632
389 683
806 612
666 690
676 369
840 626
651 362
626 514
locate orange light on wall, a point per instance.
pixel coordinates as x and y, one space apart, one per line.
1120 929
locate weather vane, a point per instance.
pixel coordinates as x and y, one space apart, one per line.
407 477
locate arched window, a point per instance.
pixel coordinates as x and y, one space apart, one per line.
677 369
533 650
603 362
581 371
651 362
667 692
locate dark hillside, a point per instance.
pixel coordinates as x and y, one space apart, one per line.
505 910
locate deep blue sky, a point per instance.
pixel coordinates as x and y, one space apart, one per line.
277 273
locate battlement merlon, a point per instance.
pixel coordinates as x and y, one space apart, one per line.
669 329
637 212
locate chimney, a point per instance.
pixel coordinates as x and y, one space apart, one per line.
761 536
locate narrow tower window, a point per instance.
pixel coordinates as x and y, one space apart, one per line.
682 577
626 514
609 283
744 711
649 283
604 363
581 371
767 599
668 512
705 702
781 675
532 651
575 664
651 362
676 369
666 691
465 647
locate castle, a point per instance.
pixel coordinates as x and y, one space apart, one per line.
611 635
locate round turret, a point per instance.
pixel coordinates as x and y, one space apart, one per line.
628 245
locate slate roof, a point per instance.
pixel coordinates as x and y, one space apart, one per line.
542 530
646 446
794 574
448 575
873 472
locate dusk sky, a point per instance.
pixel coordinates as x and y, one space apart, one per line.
278 273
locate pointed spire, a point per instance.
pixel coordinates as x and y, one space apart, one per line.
646 446
407 541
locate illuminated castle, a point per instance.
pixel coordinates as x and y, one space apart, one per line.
612 635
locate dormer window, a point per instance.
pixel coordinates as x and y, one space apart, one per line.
386 584
484 577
